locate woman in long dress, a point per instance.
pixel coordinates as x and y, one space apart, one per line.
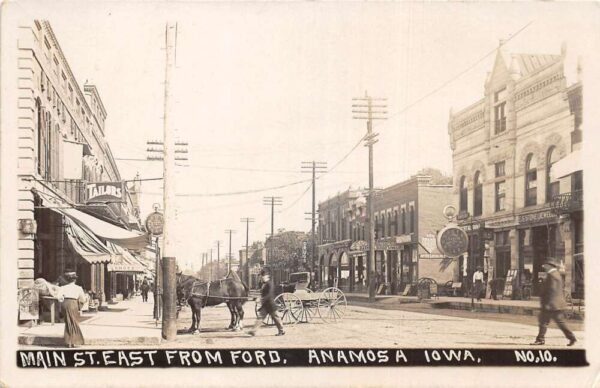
73 296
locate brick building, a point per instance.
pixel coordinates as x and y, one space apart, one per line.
74 210
406 215
516 185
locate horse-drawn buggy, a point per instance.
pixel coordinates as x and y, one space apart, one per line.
296 302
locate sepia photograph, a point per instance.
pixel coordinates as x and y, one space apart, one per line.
239 188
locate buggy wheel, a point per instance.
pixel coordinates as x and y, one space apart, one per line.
289 307
309 310
332 305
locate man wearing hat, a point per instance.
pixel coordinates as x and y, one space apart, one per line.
72 296
553 303
267 302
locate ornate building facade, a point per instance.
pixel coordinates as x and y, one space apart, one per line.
64 162
406 216
515 199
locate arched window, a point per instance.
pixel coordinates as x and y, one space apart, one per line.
395 223
463 194
376 226
530 181
412 219
403 222
477 194
552 184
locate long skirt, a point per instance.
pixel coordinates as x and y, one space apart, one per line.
73 334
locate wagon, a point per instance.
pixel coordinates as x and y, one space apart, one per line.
297 303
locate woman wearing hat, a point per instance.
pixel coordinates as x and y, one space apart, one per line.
72 296
478 283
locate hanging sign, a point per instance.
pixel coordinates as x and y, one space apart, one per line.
155 223
452 241
105 192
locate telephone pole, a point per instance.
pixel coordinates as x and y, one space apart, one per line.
358 109
313 167
245 267
169 263
210 278
272 201
218 257
230 231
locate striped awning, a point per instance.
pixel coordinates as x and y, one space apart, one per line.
86 244
123 260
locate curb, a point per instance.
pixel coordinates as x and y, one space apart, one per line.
59 341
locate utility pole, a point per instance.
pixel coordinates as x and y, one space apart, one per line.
246 265
210 277
312 167
272 201
370 139
230 231
218 258
169 263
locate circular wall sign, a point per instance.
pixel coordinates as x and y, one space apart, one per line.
154 223
452 241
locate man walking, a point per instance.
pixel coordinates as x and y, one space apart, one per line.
553 303
267 304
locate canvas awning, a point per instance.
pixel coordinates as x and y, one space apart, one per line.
567 165
123 237
86 244
123 261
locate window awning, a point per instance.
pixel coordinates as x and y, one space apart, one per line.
123 237
567 165
123 261
86 244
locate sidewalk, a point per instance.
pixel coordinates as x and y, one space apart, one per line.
129 322
507 306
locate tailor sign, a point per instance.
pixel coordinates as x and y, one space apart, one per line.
105 192
452 241
155 223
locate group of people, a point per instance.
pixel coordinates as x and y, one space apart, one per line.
552 300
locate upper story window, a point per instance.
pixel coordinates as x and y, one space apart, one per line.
499 111
412 219
463 194
500 187
477 194
376 227
395 223
552 184
530 181
403 221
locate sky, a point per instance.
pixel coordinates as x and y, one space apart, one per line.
259 88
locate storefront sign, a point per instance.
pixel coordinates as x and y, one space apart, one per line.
452 241
471 227
404 239
501 223
29 302
428 242
105 192
155 223
536 217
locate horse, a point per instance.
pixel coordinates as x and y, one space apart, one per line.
199 293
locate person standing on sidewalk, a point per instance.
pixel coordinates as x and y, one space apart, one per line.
72 297
552 300
478 283
145 288
267 304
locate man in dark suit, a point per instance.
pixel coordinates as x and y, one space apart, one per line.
268 306
553 303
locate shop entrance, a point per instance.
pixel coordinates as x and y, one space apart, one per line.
406 271
540 245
